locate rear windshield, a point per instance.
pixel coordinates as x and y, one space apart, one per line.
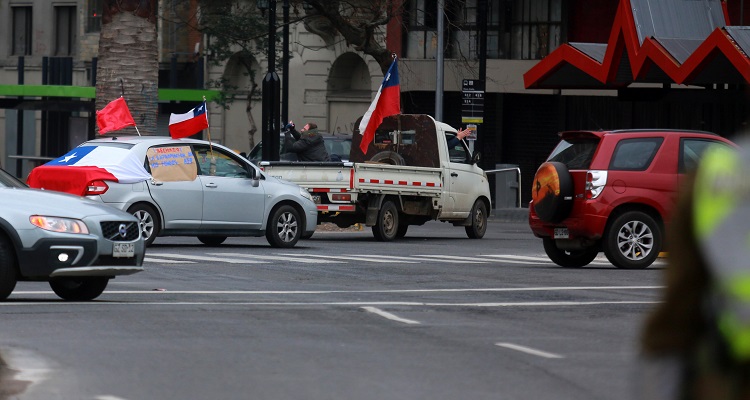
575 153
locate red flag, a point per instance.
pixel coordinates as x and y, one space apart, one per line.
387 102
188 124
114 116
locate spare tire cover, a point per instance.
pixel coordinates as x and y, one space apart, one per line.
552 192
388 157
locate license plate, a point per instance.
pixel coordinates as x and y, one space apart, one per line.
316 199
123 250
561 233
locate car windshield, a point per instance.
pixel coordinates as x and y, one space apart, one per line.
8 180
575 153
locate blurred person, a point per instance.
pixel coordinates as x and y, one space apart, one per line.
308 144
696 344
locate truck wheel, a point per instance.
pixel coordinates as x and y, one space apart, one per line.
569 258
212 240
478 221
148 221
79 289
388 157
402 228
386 227
8 270
284 228
632 241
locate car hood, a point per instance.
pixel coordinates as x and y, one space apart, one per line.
55 204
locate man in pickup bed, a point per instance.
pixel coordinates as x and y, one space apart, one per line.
307 144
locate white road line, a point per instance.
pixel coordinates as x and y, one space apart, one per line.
344 303
203 258
390 316
529 350
467 290
359 258
262 258
108 397
165 260
447 258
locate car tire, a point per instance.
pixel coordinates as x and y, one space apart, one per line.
79 288
569 258
388 157
284 227
552 192
212 240
307 235
148 221
8 269
478 226
387 226
633 240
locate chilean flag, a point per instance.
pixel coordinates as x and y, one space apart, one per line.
387 102
72 172
190 123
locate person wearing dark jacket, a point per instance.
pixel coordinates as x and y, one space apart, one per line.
307 144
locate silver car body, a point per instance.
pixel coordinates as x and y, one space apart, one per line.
239 203
111 246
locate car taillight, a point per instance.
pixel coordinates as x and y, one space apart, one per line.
595 182
96 187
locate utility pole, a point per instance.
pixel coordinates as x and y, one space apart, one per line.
439 60
270 121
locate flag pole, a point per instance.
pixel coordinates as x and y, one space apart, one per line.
136 129
212 168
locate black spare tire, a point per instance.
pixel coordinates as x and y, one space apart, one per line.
552 192
388 157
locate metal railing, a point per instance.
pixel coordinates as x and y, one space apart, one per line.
518 174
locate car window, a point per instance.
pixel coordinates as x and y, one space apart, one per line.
337 147
634 154
8 180
457 153
575 153
225 165
691 152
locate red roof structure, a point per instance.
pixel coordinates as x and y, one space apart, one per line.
653 41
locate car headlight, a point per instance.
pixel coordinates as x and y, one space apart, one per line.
304 193
58 224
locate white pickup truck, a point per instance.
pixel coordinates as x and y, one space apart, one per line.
408 176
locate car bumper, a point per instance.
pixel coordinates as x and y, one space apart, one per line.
85 256
589 222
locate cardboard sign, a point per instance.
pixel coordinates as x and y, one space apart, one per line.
175 163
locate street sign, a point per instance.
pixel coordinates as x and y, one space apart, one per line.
472 101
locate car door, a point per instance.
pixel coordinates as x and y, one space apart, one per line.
174 186
459 180
229 199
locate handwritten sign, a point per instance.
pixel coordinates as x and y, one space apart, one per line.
174 163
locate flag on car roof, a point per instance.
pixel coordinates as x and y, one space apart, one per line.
387 102
72 172
115 116
190 123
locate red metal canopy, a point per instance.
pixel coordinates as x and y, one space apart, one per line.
672 43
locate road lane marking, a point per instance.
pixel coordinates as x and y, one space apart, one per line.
390 316
380 259
203 258
447 258
105 302
529 350
150 258
277 258
517 289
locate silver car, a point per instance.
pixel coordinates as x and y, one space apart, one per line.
75 244
184 187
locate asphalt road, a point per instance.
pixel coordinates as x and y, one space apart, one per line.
341 316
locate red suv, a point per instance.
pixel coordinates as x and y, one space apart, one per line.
612 191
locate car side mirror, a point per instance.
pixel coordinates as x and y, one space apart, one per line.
253 175
476 157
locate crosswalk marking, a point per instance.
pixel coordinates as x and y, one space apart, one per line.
254 257
246 258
